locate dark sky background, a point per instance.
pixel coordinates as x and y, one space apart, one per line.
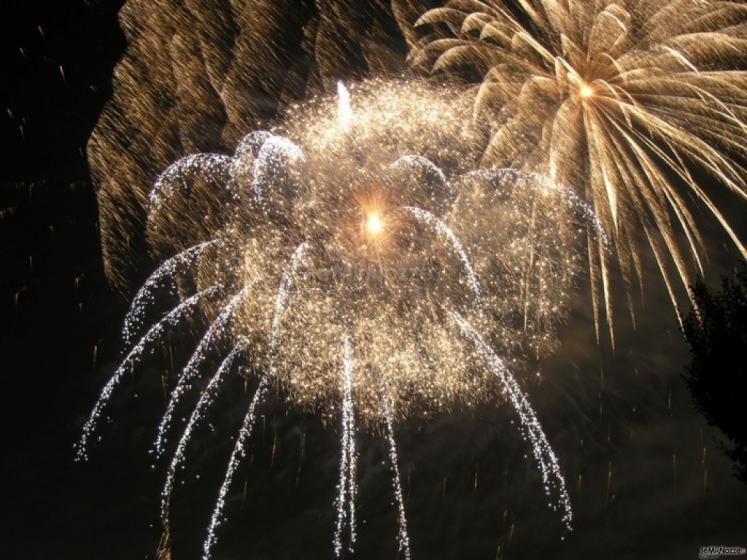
634 450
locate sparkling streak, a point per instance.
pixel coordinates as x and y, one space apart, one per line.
272 160
206 400
445 231
443 197
344 110
155 332
284 291
239 450
217 328
403 538
238 453
586 212
210 165
135 315
552 477
346 486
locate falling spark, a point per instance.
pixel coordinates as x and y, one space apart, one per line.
346 486
552 477
131 360
239 450
206 400
217 329
238 453
403 538
444 231
145 295
173 178
275 156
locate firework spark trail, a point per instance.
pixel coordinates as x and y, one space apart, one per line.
444 231
352 461
247 426
342 484
211 165
344 109
346 486
171 319
272 160
206 400
587 213
552 478
192 368
414 161
239 452
403 538
144 296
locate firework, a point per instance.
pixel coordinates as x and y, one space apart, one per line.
228 69
354 263
619 100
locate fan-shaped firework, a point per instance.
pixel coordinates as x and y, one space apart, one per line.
618 99
356 265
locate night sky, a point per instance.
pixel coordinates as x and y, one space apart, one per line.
627 435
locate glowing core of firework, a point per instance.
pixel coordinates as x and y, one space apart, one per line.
374 223
586 91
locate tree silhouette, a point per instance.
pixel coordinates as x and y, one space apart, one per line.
716 375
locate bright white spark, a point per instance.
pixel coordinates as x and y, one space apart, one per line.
441 190
206 399
209 165
239 450
144 297
445 231
155 332
403 538
552 477
217 329
275 158
346 486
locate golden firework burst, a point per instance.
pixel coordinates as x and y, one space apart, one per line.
622 101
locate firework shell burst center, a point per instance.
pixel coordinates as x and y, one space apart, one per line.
393 243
